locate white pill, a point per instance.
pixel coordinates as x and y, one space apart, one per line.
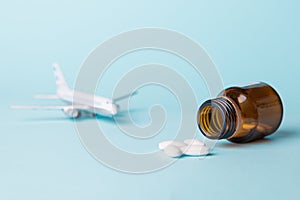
163 145
173 151
193 142
195 150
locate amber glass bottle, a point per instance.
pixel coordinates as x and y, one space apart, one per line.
241 114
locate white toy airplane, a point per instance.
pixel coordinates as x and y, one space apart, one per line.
80 103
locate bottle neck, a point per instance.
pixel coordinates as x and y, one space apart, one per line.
217 118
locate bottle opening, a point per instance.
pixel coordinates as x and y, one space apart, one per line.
211 121
217 118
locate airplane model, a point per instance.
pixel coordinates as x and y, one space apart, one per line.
79 103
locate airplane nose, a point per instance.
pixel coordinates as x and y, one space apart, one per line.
114 109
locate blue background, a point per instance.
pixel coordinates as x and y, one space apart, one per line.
41 154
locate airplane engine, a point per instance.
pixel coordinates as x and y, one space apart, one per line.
72 112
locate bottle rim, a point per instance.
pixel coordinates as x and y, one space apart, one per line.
217 118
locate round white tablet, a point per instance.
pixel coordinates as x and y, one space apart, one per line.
195 150
164 144
173 151
193 142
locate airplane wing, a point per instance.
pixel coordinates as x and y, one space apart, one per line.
124 96
79 107
70 110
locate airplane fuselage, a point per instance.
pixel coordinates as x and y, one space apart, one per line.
94 104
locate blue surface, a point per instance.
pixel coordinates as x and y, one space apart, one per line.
41 154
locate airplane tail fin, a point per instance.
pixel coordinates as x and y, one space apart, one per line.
61 84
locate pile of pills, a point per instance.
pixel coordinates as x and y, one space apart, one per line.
190 147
